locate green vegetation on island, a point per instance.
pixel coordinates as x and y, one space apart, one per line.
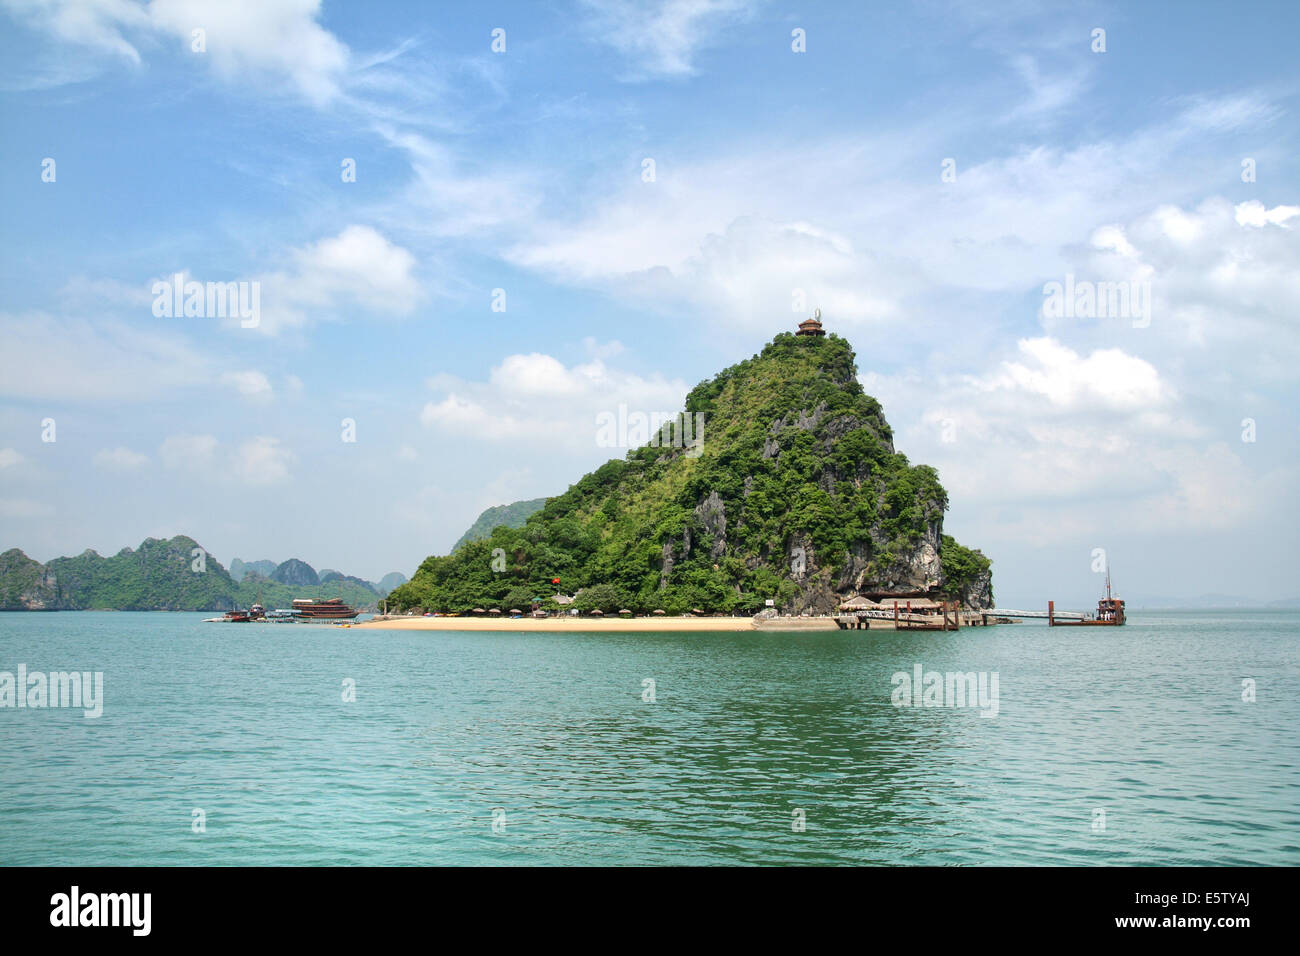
795 494
510 516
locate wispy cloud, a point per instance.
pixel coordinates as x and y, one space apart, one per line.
661 38
242 41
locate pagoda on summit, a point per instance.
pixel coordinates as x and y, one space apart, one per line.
812 326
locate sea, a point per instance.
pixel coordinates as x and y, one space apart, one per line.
1173 740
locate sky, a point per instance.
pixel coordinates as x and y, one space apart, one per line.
474 228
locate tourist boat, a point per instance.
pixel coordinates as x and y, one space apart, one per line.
305 609
257 613
280 616
236 617
1110 612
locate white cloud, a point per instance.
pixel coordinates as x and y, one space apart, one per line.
446 199
249 383
361 264
1107 378
875 238
120 459
359 267
9 457
249 42
1223 280
261 461
249 39
1056 445
537 399
662 37
1254 213
95 24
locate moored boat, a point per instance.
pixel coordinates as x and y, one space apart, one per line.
306 609
1110 612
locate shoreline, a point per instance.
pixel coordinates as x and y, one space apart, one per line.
561 624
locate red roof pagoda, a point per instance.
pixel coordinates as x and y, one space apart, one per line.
812 326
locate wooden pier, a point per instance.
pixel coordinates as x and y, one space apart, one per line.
1059 615
925 615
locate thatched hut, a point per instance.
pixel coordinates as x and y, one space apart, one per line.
858 603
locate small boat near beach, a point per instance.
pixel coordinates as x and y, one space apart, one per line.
1110 613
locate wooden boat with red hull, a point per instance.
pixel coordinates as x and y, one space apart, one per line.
1110 613
305 609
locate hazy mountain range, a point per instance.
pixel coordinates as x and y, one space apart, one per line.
171 575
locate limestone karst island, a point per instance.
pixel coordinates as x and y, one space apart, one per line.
777 494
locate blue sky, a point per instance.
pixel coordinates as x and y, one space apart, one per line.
783 182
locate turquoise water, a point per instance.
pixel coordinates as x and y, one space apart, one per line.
248 724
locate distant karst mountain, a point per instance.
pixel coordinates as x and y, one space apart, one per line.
263 568
297 573
779 482
501 516
389 581
329 577
172 575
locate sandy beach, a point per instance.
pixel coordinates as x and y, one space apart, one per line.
562 624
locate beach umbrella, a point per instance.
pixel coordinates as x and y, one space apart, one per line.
495 610
661 611
479 610
598 613
515 610
625 611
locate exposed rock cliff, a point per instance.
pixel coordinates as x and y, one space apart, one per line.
27 585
